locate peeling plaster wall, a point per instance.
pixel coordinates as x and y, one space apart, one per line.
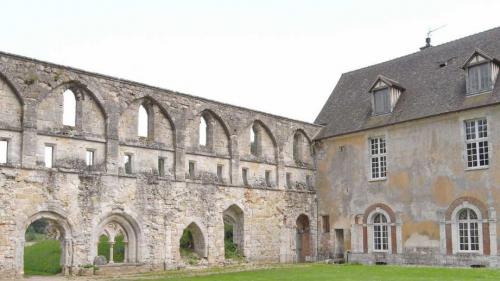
426 172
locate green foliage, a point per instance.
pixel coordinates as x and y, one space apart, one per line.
42 258
119 249
36 231
103 247
186 241
187 248
230 249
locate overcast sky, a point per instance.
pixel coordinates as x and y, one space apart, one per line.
281 57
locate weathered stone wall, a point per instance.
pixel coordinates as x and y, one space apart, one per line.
427 178
151 210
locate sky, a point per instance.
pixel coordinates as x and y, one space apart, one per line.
277 56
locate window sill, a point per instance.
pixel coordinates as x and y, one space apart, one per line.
489 91
477 168
377 179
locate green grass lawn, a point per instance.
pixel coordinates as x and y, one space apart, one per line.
42 258
320 272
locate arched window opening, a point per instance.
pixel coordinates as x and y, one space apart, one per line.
254 140
380 233
233 233
192 245
203 132
297 147
142 122
44 243
468 230
69 108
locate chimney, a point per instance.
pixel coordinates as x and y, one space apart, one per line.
427 43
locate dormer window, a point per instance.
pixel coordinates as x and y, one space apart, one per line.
481 72
385 93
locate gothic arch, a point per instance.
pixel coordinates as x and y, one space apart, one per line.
64 234
116 223
235 216
267 132
199 236
148 102
15 110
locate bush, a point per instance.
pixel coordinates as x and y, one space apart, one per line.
42 258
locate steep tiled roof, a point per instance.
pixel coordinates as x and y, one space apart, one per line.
433 79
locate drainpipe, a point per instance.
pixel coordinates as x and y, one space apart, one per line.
317 227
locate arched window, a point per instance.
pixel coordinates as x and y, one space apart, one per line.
380 233
468 230
253 140
142 122
203 132
297 147
69 108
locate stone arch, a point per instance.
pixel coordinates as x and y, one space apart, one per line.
218 133
266 145
393 232
235 216
452 224
303 238
301 147
199 238
64 235
114 224
11 103
161 126
50 109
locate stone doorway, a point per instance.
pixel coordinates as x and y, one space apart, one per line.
303 239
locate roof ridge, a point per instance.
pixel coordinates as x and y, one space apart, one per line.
140 84
424 50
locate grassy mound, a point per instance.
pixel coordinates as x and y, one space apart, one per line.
42 258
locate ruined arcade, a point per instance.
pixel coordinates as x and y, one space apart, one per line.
191 164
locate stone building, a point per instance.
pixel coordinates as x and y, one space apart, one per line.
407 164
399 167
96 155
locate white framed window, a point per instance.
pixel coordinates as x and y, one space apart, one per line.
4 150
381 101
143 122
378 158
49 156
476 143
89 157
69 108
468 231
380 233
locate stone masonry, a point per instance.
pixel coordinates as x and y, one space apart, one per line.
150 207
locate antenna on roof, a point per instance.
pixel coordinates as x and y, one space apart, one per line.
428 38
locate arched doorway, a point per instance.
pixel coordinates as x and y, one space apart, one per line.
233 232
303 239
47 245
192 245
117 239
